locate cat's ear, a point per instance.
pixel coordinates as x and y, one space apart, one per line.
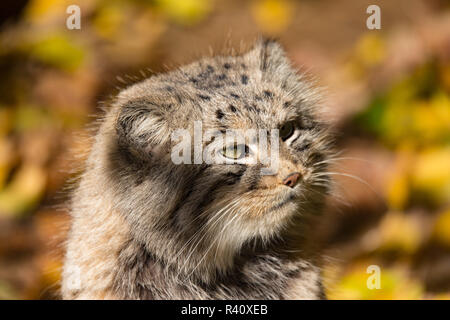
269 58
142 125
268 55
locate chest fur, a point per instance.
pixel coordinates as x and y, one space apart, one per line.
140 276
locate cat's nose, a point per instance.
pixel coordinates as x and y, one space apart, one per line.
292 179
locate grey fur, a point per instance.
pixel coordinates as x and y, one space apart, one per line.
145 228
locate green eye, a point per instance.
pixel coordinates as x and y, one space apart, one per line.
234 151
286 130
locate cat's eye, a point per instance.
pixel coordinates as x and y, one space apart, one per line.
235 151
286 130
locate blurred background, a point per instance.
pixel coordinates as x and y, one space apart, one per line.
388 94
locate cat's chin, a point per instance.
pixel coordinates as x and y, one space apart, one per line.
276 216
288 199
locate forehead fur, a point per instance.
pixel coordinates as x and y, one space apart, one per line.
256 89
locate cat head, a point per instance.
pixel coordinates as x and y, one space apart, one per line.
195 206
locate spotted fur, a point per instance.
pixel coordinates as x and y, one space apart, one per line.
145 228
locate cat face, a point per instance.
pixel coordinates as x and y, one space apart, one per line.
220 204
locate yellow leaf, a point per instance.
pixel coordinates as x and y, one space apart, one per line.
398 191
371 49
431 174
399 232
42 10
58 50
398 184
431 120
272 16
25 190
6 159
441 230
108 21
394 284
185 11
